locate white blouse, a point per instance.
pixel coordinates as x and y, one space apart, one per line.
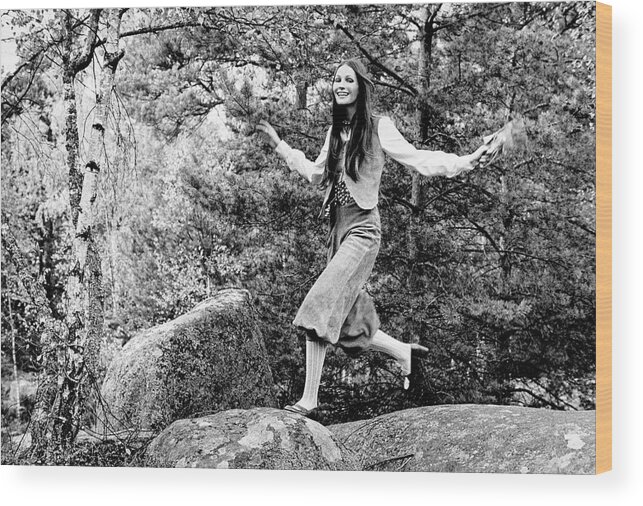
427 163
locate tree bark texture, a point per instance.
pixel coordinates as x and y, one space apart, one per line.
71 359
427 18
52 332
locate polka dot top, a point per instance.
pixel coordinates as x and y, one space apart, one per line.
340 196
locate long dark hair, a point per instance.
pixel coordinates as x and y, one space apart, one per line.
359 145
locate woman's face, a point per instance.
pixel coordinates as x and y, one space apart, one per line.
345 87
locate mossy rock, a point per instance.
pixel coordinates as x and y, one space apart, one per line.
259 438
474 439
211 359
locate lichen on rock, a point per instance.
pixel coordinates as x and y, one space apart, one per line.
474 438
259 438
210 359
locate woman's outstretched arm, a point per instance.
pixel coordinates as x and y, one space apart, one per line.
427 163
295 159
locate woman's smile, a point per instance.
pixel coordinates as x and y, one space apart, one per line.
345 87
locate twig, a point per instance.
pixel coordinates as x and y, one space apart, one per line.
392 459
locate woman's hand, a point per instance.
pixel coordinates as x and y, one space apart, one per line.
268 133
480 158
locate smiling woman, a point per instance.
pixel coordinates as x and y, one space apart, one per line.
352 97
338 310
345 86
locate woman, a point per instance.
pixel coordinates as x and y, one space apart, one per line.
337 309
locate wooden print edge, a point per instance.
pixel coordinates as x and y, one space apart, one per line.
603 237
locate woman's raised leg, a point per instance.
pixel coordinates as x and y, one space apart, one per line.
402 352
397 349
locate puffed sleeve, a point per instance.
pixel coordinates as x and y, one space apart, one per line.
296 160
427 163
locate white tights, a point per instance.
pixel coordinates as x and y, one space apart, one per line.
316 353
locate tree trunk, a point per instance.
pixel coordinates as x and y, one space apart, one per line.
70 359
414 281
87 254
106 79
507 219
86 308
14 361
302 95
52 332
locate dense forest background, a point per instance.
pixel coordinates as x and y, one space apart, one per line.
151 112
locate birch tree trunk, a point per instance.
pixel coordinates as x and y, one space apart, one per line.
70 359
427 18
92 298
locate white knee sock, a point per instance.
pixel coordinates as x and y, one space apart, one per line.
397 349
315 355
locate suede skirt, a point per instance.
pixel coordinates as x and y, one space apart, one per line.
337 309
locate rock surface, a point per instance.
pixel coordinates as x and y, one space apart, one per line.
259 438
210 359
474 439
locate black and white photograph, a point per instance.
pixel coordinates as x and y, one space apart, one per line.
301 237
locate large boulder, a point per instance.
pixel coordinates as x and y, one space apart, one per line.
211 359
259 438
474 439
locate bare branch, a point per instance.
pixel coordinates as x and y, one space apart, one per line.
386 461
392 86
7 79
535 257
162 28
483 15
413 208
412 89
15 71
14 106
484 232
376 62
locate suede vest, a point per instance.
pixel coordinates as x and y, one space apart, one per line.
365 190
